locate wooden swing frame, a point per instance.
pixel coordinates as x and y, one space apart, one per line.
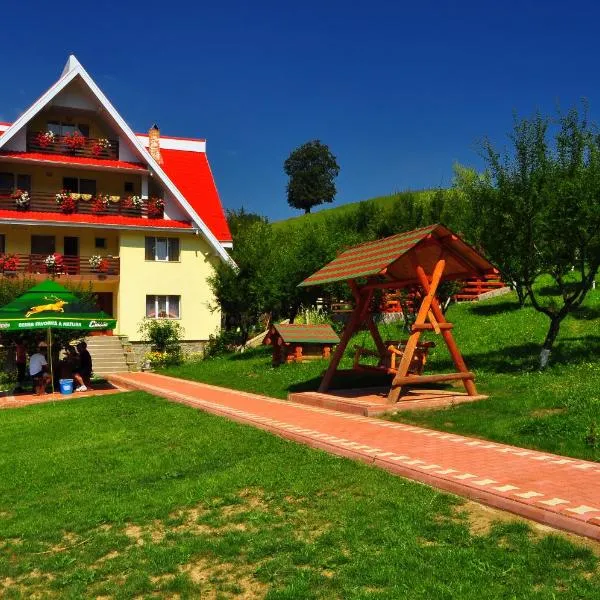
429 318
423 257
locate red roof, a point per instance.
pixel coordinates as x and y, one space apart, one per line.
100 220
191 173
74 160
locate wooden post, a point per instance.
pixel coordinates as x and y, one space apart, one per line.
457 358
381 348
362 304
413 340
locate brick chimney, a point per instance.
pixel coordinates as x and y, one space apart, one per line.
154 143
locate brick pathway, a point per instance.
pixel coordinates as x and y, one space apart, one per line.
8 400
560 492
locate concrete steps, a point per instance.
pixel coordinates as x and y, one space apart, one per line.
110 354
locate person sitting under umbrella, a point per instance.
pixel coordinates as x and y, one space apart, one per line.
38 369
83 372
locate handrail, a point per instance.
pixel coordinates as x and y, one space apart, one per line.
46 202
103 148
67 265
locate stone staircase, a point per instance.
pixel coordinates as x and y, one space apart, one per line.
111 354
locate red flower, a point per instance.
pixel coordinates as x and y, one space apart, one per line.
74 141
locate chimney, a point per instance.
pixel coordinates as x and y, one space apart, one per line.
154 143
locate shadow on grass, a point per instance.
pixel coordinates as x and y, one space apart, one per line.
525 357
340 382
488 310
586 313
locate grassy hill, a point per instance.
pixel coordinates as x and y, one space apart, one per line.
380 201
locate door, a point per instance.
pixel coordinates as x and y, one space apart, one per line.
41 247
71 254
104 302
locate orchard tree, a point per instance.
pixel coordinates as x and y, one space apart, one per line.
537 211
311 169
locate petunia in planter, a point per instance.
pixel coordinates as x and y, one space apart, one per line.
21 198
54 263
74 141
98 263
100 146
9 263
156 208
100 204
66 201
45 139
132 202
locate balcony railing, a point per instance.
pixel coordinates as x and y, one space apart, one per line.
102 148
46 202
35 264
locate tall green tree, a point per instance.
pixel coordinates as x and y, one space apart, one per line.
537 211
312 170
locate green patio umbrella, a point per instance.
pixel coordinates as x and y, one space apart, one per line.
48 306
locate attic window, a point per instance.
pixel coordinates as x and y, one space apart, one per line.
60 128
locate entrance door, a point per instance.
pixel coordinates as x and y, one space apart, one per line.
104 302
71 253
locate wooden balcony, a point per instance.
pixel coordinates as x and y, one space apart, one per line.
89 148
72 266
46 202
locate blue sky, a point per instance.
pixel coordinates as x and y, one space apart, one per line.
398 90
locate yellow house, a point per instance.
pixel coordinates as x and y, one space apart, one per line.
137 216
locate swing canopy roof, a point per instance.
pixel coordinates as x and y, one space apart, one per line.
49 305
394 259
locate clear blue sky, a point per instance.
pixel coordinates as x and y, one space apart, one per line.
398 90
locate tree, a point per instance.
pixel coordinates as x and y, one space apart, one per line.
537 211
311 169
238 219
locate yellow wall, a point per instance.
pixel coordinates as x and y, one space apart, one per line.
186 278
18 238
50 179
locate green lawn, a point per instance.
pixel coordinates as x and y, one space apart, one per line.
127 496
557 410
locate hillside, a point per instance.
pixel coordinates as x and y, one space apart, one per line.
323 214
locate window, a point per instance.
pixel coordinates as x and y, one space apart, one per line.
43 244
7 182
129 187
87 186
100 243
2 243
71 184
163 249
162 307
24 182
79 186
59 128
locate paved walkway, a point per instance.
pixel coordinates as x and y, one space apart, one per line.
560 492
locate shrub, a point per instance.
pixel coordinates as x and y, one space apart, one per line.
224 342
164 335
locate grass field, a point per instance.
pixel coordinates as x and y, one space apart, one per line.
557 410
129 496
327 212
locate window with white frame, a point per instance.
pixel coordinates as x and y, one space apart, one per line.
163 307
162 249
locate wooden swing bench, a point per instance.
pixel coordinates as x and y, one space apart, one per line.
424 257
389 362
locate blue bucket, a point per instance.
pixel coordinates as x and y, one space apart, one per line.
66 386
